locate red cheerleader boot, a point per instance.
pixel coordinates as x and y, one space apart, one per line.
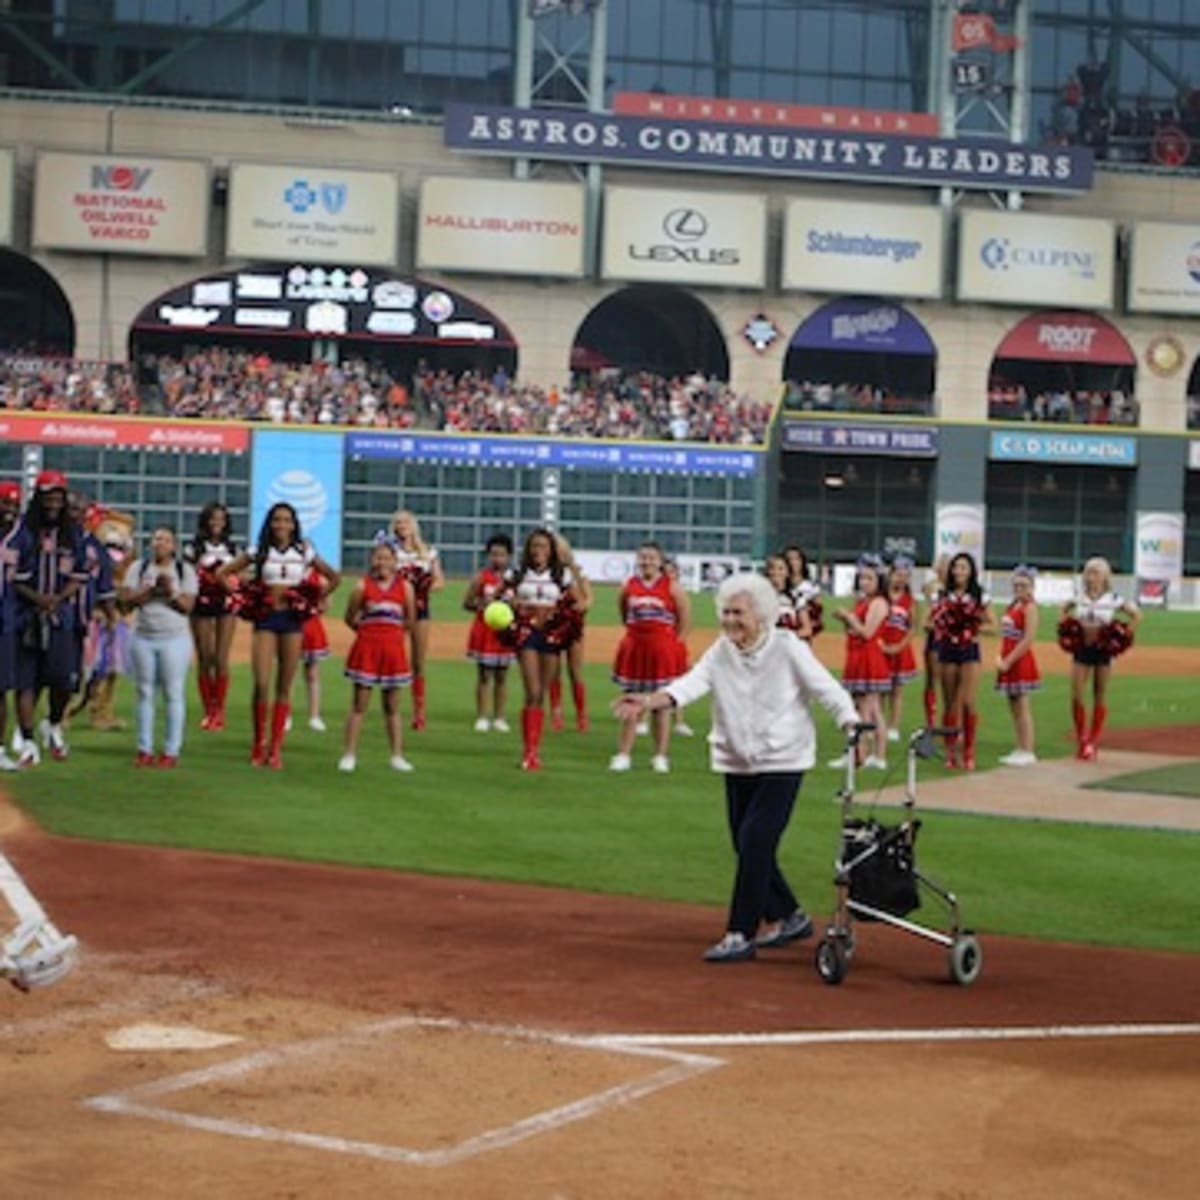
579 691
1079 716
533 719
220 691
1098 717
951 741
258 753
279 720
204 685
930 698
418 691
971 721
556 710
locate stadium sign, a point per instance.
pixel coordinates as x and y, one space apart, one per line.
1158 552
900 247
1027 258
718 146
714 238
69 429
126 204
1089 449
304 469
1164 270
501 226
504 451
863 325
888 441
312 214
960 529
7 182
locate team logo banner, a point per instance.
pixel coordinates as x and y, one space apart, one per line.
314 214
501 226
1164 271
714 238
889 441
898 248
7 177
121 204
1030 258
719 146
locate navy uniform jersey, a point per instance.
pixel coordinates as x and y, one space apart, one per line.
48 565
9 553
99 588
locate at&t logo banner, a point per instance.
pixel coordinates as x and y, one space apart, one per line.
303 469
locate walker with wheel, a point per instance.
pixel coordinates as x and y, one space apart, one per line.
876 877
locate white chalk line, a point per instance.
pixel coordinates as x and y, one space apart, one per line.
833 1037
134 1101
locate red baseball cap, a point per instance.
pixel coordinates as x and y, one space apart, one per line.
50 481
10 491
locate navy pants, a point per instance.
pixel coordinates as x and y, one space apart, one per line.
759 808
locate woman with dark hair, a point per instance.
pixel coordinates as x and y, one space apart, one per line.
277 567
867 674
212 617
491 656
964 610
539 586
804 590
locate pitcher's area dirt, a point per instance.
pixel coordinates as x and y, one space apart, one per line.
332 1092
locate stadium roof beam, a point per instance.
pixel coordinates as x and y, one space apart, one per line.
197 39
44 56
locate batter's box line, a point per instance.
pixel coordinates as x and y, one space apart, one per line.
137 1101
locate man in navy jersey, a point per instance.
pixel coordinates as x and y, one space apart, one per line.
10 511
100 592
50 571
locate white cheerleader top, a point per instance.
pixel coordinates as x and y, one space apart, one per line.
209 556
538 589
804 591
411 562
288 567
1098 610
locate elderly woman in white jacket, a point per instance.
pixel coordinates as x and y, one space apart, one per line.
762 740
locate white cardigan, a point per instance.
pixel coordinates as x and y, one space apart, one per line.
760 717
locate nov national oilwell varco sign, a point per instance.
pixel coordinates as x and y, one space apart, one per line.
654 141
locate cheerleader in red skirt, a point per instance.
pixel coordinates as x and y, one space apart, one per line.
381 609
314 649
683 660
899 630
965 609
655 612
867 674
491 656
1017 672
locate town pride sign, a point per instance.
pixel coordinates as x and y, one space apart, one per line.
719 146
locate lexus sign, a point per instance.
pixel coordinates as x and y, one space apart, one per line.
714 238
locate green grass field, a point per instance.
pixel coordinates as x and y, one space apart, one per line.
468 811
1179 779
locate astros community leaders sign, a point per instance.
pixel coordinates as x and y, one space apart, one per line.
719 146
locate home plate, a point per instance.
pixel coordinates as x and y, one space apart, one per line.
167 1037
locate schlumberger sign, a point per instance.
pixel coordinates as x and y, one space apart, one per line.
719 146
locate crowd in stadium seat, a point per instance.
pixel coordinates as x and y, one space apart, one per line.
47 384
218 383
1094 407
854 398
1193 412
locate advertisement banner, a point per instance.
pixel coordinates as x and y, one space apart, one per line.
715 238
312 214
1164 268
891 441
303 470
898 248
548 452
1091 449
121 204
1194 456
1158 550
1030 258
1067 337
501 226
697 572
863 325
765 112
74 429
7 187
711 145
959 529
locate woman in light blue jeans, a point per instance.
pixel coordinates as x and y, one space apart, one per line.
161 589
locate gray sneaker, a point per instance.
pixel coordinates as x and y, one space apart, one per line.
733 947
791 929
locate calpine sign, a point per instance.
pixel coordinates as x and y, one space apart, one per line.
720 146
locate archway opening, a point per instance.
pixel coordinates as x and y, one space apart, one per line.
662 330
1065 366
35 315
859 354
1193 396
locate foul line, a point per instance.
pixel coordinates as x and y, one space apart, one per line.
834 1037
134 1101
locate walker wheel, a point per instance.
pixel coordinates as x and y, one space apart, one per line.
832 962
966 959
